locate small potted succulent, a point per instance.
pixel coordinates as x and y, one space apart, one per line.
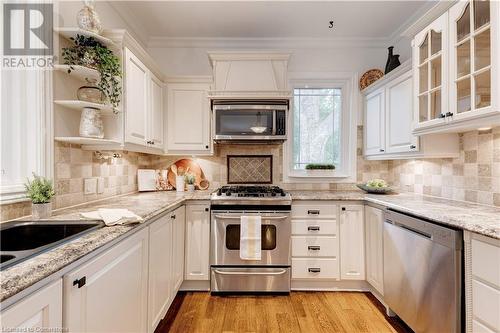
190 181
40 191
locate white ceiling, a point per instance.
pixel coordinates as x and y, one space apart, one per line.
270 19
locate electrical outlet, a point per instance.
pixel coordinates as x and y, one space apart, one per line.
90 186
100 185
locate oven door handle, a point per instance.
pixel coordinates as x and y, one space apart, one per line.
280 272
234 217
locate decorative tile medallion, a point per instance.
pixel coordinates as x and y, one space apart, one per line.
249 169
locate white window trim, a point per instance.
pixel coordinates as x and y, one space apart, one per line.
350 101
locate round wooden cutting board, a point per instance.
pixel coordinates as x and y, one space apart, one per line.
191 166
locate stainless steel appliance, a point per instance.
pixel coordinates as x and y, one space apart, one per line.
423 273
229 273
249 120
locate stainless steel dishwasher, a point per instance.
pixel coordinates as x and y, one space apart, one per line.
423 273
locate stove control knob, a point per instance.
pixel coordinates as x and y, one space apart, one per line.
219 192
283 193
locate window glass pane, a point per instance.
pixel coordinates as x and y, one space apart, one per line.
436 72
482 50
424 72
481 13
436 104
463 59
435 42
463 25
424 50
317 126
483 89
268 237
422 108
463 95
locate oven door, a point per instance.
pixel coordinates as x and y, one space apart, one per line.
275 245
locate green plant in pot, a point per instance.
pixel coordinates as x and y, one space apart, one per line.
40 191
190 181
89 52
317 166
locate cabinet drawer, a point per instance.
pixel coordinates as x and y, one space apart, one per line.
314 227
314 246
483 257
486 304
315 268
477 327
314 209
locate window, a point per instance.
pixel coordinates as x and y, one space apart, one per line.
322 127
316 126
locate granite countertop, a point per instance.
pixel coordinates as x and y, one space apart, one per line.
473 217
146 204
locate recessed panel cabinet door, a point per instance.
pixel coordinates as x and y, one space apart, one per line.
110 293
160 270
399 115
178 245
375 123
352 239
136 104
374 227
188 119
157 120
197 242
36 313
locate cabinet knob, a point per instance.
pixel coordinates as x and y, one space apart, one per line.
449 114
382 150
80 282
173 217
343 208
206 209
413 147
442 115
206 147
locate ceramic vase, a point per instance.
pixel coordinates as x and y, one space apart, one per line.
41 210
190 188
91 125
88 19
392 60
179 183
90 93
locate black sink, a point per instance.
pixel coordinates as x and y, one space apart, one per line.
20 240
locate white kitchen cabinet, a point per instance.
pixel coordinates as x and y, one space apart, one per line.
144 110
430 69
374 232
352 242
179 220
188 118
38 312
375 122
136 99
196 266
160 290
110 292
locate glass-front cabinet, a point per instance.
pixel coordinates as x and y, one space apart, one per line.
430 67
474 58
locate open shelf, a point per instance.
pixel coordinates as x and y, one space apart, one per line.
85 141
72 32
79 105
80 72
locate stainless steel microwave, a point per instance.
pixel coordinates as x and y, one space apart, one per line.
249 120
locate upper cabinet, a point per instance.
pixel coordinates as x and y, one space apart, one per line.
188 117
465 94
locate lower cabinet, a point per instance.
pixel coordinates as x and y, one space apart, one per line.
160 290
179 219
352 237
109 293
197 242
38 312
374 234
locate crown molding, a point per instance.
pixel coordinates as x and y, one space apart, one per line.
265 43
427 18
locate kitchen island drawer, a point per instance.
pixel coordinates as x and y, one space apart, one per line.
314 227
314 210
483 255
317 268
314 246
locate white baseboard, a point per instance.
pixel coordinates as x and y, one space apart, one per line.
195 285
329 285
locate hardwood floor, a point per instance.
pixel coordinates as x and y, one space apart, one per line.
299 312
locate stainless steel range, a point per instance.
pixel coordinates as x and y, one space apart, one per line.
230 273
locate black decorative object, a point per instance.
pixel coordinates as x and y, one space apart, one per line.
392 60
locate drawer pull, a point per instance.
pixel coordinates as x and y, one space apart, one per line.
314 270
80 282
314 248
313 212
313 228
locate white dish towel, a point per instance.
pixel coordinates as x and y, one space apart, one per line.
250 238
113 216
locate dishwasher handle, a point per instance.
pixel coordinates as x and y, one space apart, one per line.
410 229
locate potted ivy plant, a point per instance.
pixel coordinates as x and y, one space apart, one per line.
190 181
89 52
40 191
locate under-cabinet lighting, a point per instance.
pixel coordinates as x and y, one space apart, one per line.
100 156
484 129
